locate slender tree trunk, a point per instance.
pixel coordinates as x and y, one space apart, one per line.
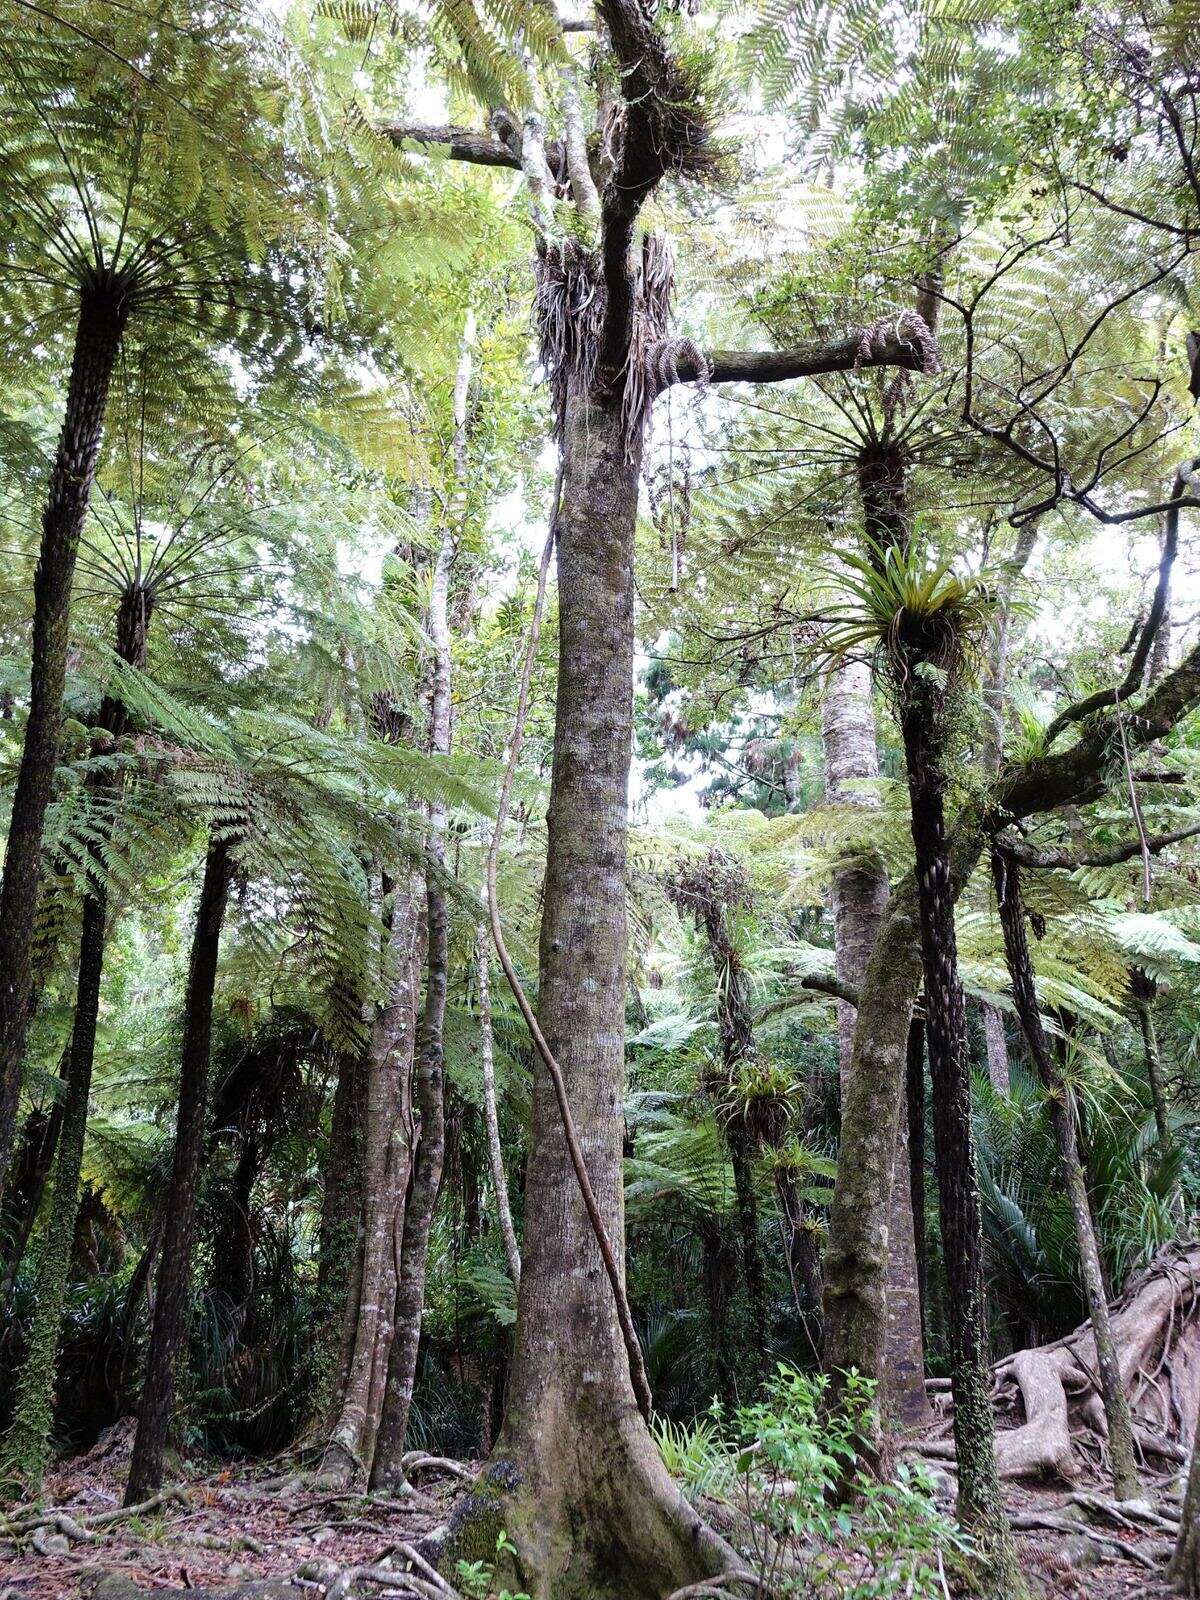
860 887
860 894
740 1152
429 1085
483 968
914 1098
1185 1564
1143 990
169 1326
103 312
1122 1457
575 1479
339 1251
980 1507
386 1159
27 1447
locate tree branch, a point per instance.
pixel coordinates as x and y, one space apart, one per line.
1030 856
1075 776
816 983
807 361
462 144
1132 681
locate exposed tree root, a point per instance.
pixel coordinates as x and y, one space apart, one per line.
1051 1395
24 1521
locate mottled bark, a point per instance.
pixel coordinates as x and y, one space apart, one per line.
575 1478
483 969
860 894
339 1248
1122 1459
860 887
173 1283
429 1073
980 1508
104 307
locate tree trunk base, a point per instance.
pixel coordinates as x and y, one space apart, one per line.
1052 1394
587 1518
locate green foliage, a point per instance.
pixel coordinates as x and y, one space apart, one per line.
784 1465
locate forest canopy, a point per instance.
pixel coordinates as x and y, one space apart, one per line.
599 758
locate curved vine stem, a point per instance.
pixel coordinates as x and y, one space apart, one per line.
637 1367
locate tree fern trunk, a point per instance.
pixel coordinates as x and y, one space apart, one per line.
27 1183
1122 1456
28 1443
103 312
979 1503
172 1286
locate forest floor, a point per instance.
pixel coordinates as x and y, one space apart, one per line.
275 1536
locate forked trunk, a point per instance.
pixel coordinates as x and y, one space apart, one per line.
169 1326
1122 1457
980 1508
103 313
575 1479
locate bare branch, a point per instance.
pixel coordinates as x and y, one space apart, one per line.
461 144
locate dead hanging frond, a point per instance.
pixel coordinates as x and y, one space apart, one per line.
650 315
896 326
568 310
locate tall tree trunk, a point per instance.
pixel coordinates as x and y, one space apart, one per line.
508 1234
860 887
387 1155
103 312
173 1283
980 1508
860 894
1185 1564
429 1077
575 1478
27 1447
1122 1458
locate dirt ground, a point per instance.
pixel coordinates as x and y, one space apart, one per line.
235 1531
